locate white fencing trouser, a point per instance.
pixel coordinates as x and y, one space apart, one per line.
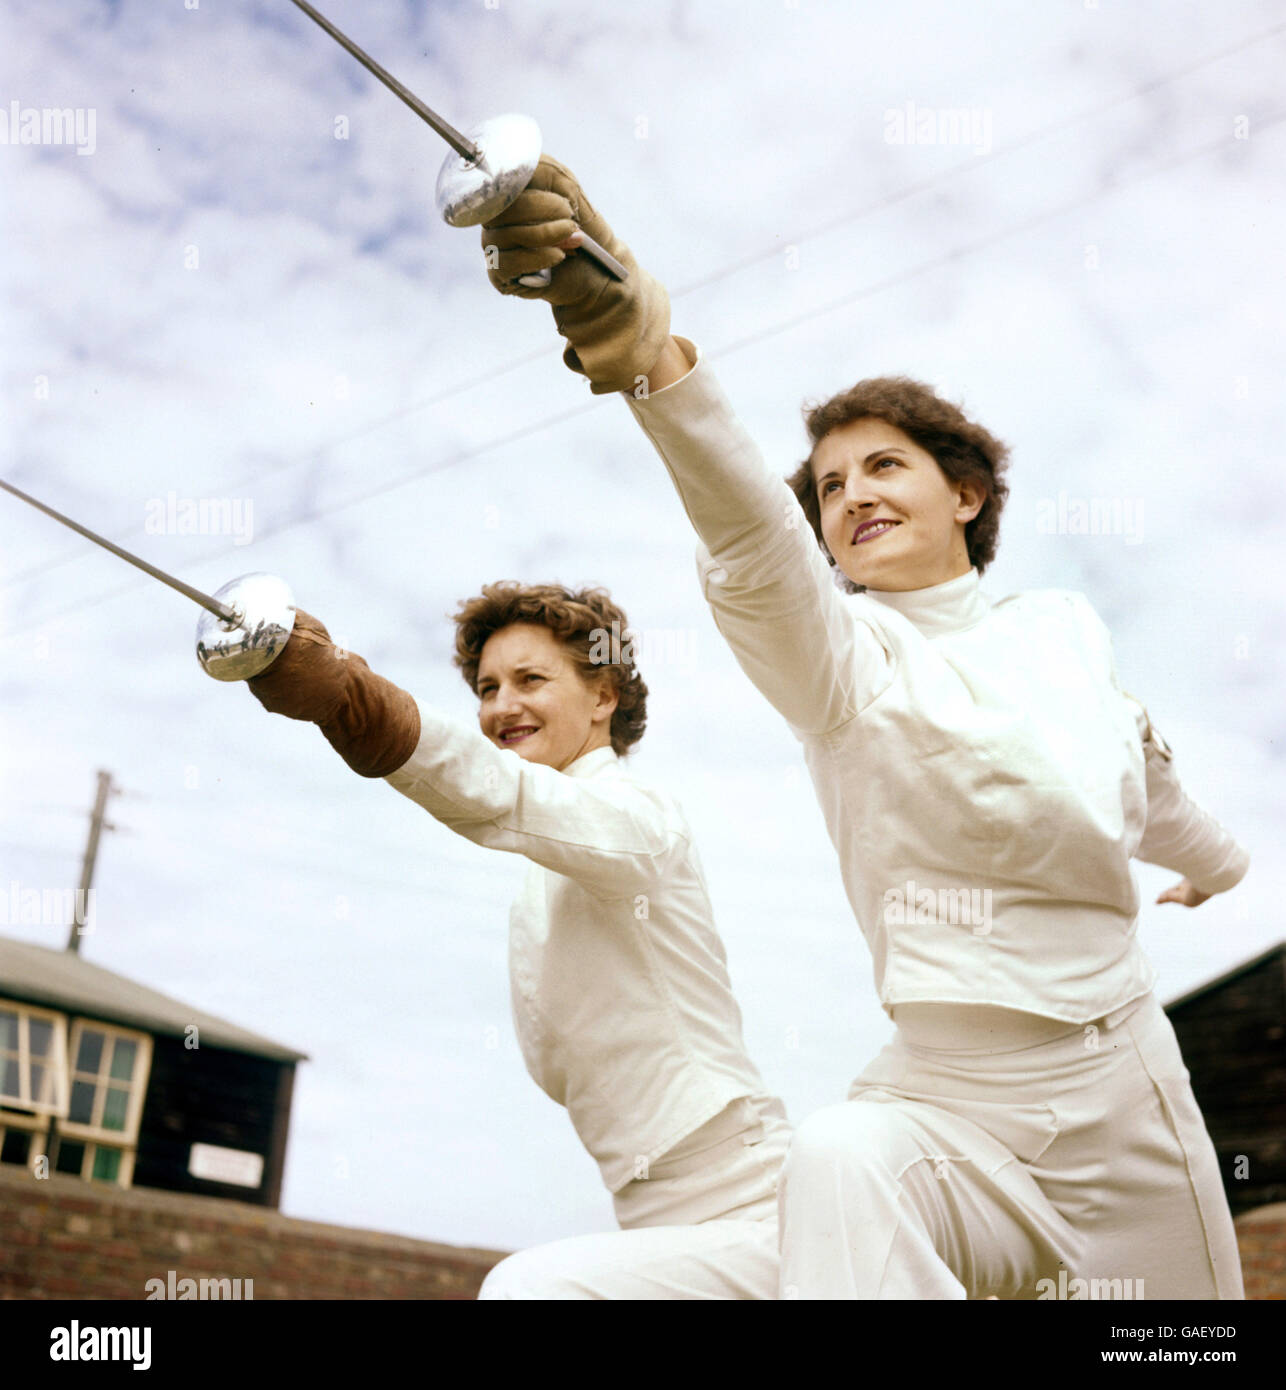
702 1225
985 1151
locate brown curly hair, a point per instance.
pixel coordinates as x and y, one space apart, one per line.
960 448
580 619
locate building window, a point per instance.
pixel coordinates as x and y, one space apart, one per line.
16 1145
33 1080
79 1105
33 1060
98 1133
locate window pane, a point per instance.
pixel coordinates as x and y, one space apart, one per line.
114 1108
8 1031
16 1146
107 1163
123 1059
70 1158
41 1077
90 1051
9 1079
41 1035
82 1103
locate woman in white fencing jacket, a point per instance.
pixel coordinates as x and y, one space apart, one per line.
985 782
619 981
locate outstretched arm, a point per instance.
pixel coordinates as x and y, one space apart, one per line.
371 723
763 574
614 837
770 589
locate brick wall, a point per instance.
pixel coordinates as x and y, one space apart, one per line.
1261 1238
64 1238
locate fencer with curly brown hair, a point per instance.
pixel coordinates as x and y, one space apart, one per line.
985 782
618 977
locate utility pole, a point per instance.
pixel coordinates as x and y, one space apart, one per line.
80 908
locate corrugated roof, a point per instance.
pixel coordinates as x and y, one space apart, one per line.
64 981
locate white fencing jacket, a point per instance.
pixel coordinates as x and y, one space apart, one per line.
619 981
983 777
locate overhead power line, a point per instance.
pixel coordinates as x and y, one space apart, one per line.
781 326
1033 138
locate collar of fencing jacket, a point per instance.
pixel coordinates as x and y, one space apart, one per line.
589 763
942 608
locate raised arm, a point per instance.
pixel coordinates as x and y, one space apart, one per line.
771 591
610 835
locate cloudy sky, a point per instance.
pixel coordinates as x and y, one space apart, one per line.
233 286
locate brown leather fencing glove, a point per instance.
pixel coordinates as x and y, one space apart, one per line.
615 329
370 722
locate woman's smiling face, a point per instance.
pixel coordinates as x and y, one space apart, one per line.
534 699
891 517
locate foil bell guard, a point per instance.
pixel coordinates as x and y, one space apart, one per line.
264 610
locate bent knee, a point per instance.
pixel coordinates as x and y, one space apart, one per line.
516 1276
855 1133
555 1271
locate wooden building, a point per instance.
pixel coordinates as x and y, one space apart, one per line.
105 1079
1232 1032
